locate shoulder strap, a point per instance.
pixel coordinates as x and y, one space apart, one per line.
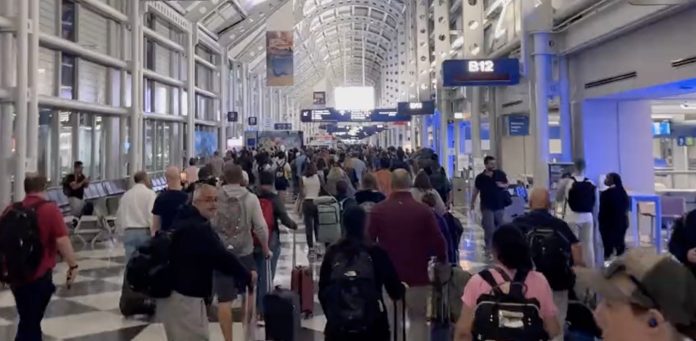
488 277
503 274
517 286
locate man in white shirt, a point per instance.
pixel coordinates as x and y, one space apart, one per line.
134 215
581 223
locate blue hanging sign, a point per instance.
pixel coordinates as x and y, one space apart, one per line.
480 72
518 125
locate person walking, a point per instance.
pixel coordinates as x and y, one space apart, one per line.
310 186
613 216
196 251
384 176
191 171
283 173
168 202
422 186
490 184
555 249
578 206
408 232
239 214
32 283
217 163
375 272
369 195
134 214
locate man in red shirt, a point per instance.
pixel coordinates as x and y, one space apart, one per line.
33 296
408 232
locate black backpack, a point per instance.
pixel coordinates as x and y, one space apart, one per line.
149 271
21 249
503 317
581 197
280 171
552 257
354 303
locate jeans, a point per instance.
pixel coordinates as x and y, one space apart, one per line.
260 259
311 220
490 221
32 300
560 299
134 238
416 313
585 233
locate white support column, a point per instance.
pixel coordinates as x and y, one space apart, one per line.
473 19
6 109
224 99
564 110
442 47
192 38
33 109
21 102
123 121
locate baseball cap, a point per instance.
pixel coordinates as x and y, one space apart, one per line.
649 280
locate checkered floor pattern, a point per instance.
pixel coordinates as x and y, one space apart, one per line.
89 309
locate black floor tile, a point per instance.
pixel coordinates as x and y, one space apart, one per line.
56 308
116 335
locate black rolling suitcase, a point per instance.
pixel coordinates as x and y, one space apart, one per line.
281 313
134 303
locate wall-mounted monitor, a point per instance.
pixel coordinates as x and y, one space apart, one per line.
662 128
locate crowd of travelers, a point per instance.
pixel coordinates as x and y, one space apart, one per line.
393 270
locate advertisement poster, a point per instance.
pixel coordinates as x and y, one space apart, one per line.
319 98
282 139
279 58
206 143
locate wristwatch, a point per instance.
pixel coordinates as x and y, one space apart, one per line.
73 267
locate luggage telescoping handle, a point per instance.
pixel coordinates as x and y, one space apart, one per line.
294 248
269 276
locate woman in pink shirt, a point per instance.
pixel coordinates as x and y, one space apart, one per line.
510 252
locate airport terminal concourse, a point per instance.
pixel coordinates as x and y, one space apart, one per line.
299 170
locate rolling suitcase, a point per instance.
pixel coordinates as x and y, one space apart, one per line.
329 222
302 283
134 303
281 312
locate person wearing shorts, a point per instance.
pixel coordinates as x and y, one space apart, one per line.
227 288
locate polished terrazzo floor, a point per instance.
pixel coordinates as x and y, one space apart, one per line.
89 309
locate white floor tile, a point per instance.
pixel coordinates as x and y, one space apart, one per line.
105 301
85 324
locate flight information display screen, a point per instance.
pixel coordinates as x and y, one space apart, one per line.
357 116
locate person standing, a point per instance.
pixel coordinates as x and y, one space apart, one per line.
74 186
562 249
196 250
167 204
490 184
613 216
134 214
32 290
408 232
217 163
239 213
578 205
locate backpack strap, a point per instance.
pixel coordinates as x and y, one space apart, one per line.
488 277
503 274
517 286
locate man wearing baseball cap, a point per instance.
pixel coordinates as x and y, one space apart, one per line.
644 296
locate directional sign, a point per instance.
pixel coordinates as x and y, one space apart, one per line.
355 116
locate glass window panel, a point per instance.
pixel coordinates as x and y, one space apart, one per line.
47 71
47 13
86 138
93 30
92 85
148 151
67 77
46 156
68 20
147 95
65 143
161 98
98 156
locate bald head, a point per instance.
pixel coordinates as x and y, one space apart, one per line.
173 176
539 199
401 180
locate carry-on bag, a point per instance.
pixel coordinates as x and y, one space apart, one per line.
329 223
281 313
302 282
134 303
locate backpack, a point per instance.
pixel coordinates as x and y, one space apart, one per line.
231 219
268 216
448 282
148 271
552 257
512 316
280 171
21 249
354 303
329 219
581 197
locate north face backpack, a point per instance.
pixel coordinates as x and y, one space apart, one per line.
552 257
21 249
230 221
504 316
354 303
581 197
280 171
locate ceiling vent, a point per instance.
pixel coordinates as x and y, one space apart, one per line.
609 80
